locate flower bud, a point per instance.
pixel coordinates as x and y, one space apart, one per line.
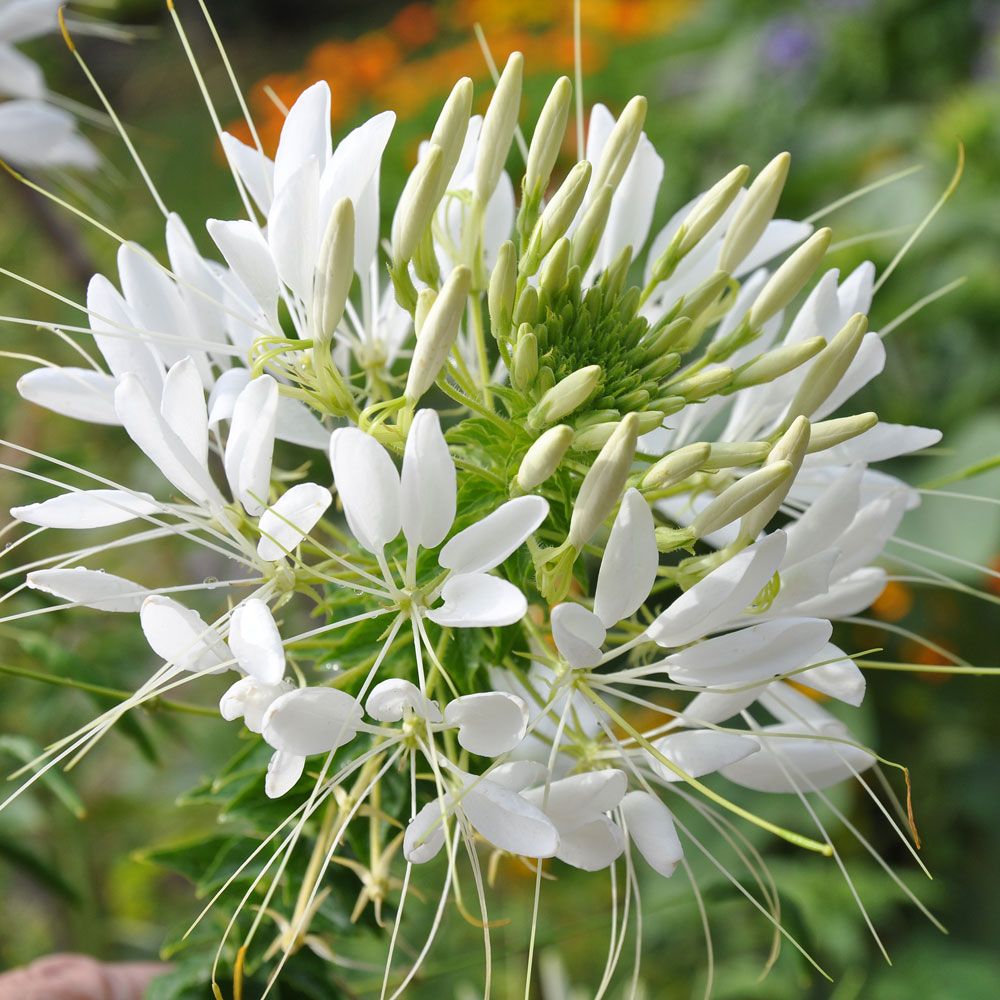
450 131
789 279
526 308
735 455
710 208
830 433
500 294
557 216
773 364
741 497
828 368
497 132
555 268
524 364
437 335
424 302
543 457
755 213
621 145
791 449
416 205
676 467
565 396
704 295
588 234
548 138
595 436
702 384
334 272
650 419
604 482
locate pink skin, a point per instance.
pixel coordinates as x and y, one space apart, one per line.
78 977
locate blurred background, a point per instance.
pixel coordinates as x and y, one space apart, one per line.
857 90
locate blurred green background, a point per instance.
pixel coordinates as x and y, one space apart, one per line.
856 90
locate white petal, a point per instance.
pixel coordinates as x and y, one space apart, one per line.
287 521
93 588
292 229
517 775
701 751
720 596
224 394
283 772
780 235
592 846
751 654
233 700
651 827
424 835
250 447
162 446
312 720
882 442
247 253
825 519
489 723
256 642
80 393
508 821
488 542
305 133
87 509
391 699
180 636
787 764
578 634
477 600
628 567
255 169
251 700
571 802
297 424
848 596
839 678
182 406
427 483
866 537
154 299
710 708
368 485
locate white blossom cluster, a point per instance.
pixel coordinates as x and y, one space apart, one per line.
618 463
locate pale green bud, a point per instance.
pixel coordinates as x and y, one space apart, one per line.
676 467
791 448
416 205
450 130
650 419
524 363
828 368
667 338
621 145
500 293
830 433
526 308
702 384
548 138
773 364
736 454
497 132
588 234
566 396
555 268
741 497
755 213
595 436
437 335
557 216
661 367
710 208
705 295
425 300
543 457
604 482
790 278
334 271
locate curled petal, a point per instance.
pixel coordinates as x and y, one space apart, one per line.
180 636
489 723
508 821
391 699
312 720
592 846
424 835
839 678
580 798
287 521
651 826
477 600
283 771
578 634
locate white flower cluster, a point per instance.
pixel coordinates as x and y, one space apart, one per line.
640 504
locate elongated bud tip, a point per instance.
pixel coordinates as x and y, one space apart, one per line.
335 271
542 459
566 396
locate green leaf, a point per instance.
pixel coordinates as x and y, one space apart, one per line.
25 751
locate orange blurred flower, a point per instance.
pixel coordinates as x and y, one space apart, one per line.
894 603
